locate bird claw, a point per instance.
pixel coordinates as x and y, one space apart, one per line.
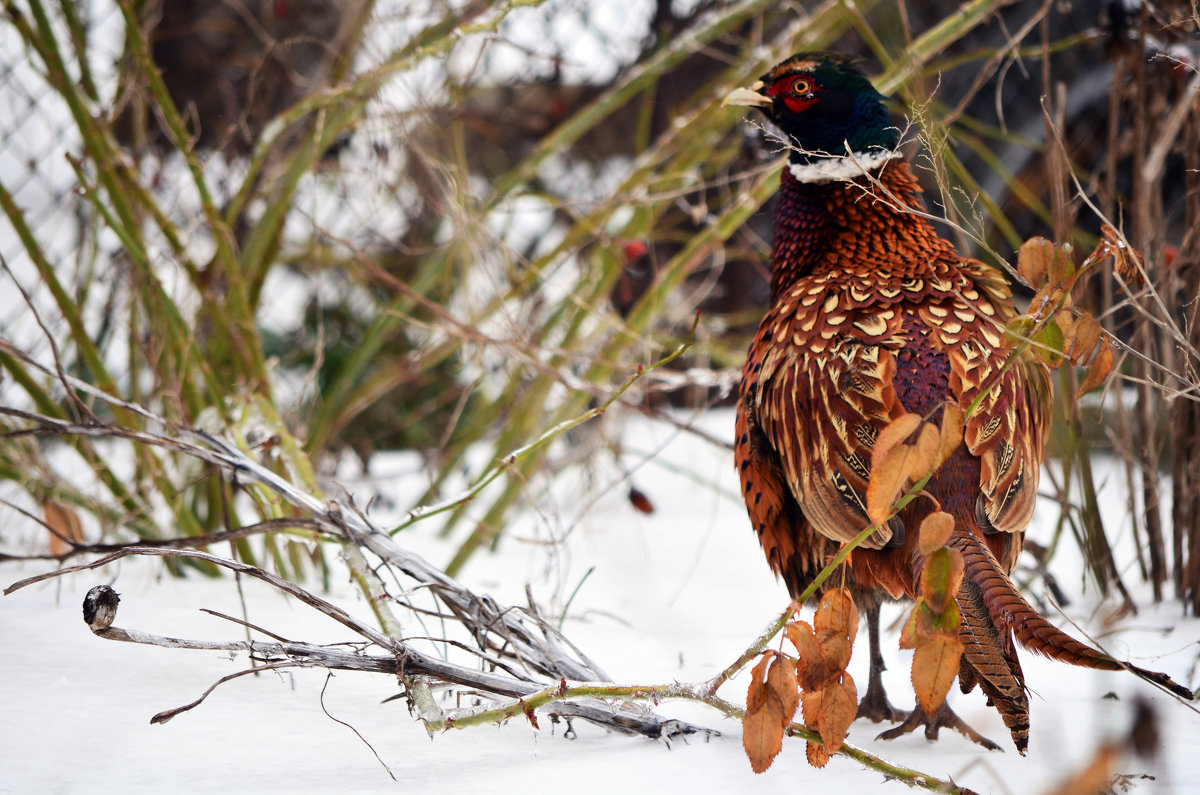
944 717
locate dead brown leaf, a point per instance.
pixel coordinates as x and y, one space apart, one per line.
951 432
1131 265
935 532
771 702
899 464
888 476
935 664
893 434
830 710
1101 366
817 755
781 680
762 734
836 615
1034 259
811 667
64 526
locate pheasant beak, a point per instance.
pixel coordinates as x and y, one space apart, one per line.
751 96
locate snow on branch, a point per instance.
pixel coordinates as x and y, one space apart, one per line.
515 639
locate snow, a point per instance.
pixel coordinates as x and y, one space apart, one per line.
673 596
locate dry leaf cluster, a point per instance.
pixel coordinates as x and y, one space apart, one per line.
815 679
1056 328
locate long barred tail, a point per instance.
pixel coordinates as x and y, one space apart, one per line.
1010 611
990 661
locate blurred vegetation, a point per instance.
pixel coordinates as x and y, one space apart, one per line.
321 227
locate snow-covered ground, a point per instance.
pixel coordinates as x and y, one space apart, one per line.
675 595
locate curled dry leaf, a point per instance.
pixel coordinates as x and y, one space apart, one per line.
1034 259
771 702
836 615
824 649
935 532
829 712
894 463
64 526
1101 366
1042 263
1131 266
1062 266
839 709
918 627
1049 299
828 696
1071 333
816 754
761 737
895 433
781 681
1067 323
888 476
811 667
1088 336
756 694
836 624
928 446
951 432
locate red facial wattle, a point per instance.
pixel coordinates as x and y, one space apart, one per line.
798 92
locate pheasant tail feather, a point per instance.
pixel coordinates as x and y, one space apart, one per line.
990 661
1010 612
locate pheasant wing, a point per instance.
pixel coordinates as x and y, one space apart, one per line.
821 411
1007 430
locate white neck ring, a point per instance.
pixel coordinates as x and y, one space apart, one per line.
828 169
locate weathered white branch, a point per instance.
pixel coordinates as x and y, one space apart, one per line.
412 666
515 633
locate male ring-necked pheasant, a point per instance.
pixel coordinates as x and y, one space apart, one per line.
872 315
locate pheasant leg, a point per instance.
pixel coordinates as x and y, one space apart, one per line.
874 705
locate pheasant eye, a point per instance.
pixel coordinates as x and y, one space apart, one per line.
801 86
796 86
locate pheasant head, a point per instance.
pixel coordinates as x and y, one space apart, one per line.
834 120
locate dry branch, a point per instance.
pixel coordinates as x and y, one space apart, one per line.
545 675
511 633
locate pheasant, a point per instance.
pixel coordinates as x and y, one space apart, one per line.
874 315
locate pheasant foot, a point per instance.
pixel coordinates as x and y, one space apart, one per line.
943 718
875 705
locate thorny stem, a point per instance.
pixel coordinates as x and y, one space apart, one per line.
526 706
760 643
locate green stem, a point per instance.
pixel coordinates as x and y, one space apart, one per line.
655 694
